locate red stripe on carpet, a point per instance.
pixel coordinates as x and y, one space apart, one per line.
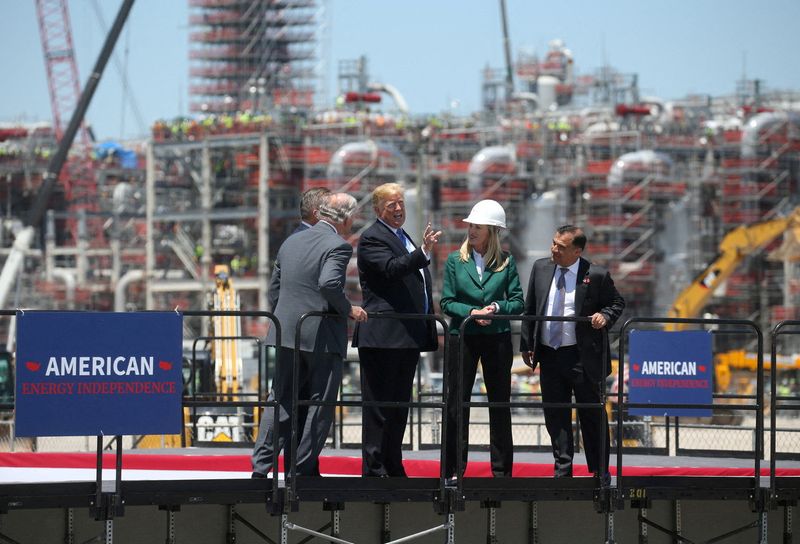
419 468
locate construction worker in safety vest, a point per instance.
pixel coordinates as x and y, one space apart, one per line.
235 265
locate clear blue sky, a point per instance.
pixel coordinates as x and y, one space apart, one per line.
431 50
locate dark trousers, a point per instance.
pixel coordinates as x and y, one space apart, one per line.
320 376
387 375
495 354
562 376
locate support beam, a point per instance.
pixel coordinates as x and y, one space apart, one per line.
69 526
533 523
610 528
643 526
491 520
292 527
170 529
386 533
787 524
109 533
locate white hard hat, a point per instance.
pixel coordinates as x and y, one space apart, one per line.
487 212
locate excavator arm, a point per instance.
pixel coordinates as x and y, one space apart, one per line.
734 247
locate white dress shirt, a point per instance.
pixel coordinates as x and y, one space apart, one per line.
570 279
480 265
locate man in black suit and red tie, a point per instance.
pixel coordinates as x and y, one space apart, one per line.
570 355
394 278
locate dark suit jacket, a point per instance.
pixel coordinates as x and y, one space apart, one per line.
391 282
464 291
300 228
309 275
594 292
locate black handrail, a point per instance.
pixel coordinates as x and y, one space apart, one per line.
777 331
782 328
460 386
296 402
266 404
759 397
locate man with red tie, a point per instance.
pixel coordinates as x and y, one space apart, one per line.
570 355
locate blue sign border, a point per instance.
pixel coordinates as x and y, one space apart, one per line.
99 373
670 368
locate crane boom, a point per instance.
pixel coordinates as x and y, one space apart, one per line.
734 247
59 58
507 51
24 238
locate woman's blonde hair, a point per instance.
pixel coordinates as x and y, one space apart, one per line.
494 258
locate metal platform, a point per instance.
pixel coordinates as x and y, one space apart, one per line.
671 496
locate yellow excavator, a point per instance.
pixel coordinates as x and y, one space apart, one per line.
227 331
225 361
739 243
733 249
735 246
223 425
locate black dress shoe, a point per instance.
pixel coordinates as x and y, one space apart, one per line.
375 475
605 479
258 476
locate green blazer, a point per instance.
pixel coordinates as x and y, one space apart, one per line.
463 291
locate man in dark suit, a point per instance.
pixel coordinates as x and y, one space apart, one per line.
309 275
310 202
394 278
571 355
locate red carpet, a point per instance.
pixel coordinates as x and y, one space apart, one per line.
345 466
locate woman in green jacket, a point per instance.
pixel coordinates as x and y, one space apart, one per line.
481 279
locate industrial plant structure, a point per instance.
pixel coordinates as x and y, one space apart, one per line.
693 204
657 184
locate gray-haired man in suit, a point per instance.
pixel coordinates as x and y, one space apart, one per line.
310 201
309 275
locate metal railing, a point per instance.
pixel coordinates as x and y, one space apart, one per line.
297 402
756 407
752 435
779 402
602 452
261 400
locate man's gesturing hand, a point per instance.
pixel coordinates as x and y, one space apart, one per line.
430 238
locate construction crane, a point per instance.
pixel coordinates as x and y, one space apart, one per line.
23 240
507 51
78 174
735 246
55 32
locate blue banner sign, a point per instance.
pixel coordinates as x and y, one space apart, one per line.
93 373
670 368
